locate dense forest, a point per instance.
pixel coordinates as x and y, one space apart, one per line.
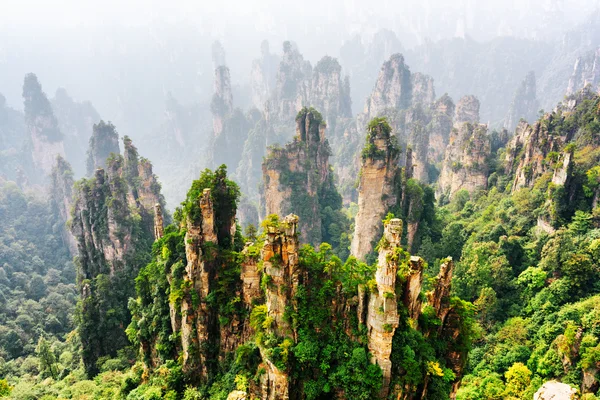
406 251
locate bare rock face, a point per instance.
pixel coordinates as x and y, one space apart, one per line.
423 91
42 126
159 228
440 128
532 143
222 101
467 110
465 163
250 276
554 390
103 142
292 87
392 90
412 288
329 92
382 312
524 105
439 297
585 72
293 176
377 187
262 77
61 193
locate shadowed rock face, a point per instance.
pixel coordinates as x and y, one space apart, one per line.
42 127
113 224
61 192
376 190
103 142
524 105
586 71
467 110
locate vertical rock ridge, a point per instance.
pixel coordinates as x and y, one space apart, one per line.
382 313
377 186
200 239
294 176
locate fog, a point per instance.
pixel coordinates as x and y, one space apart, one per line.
129 58
100 51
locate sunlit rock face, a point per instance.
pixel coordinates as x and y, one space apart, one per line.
376 190
554 390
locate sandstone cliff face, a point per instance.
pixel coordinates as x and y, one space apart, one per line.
197 318
103 142
524 105
42 126
377 189
382 314
585 72
465 163
61 193
293 176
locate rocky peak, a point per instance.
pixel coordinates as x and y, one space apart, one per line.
392 89
329 92
110 237
75 120
293 83
440 128
377 185
524 105
423 91
527 151
467 110
103 142
200 270
61 194
218 54
585 72
222 101
293 176
262 78
42 125
465 164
